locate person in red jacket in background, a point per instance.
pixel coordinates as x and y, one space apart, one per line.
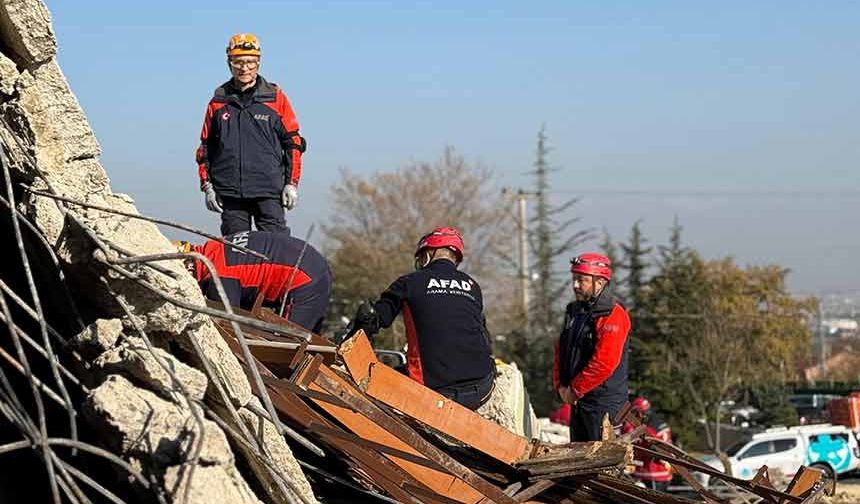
654 473
590 366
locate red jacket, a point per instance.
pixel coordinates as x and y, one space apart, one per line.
591 354
648 468
250 145
245 277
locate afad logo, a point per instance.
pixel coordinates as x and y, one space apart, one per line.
465 285
225 116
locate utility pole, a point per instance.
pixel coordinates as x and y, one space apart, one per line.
522 236
822 360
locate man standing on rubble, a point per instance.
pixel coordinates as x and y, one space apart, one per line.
250 155
590 367
448 343
249 280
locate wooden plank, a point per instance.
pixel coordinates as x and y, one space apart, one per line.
601 452
428 407
804 482
332 383
534 490
436 480
762 477
281 357
385 474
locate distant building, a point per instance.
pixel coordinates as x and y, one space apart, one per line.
841 327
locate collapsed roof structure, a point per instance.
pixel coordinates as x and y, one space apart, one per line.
120 383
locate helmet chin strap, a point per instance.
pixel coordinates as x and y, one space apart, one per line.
594 298
424 258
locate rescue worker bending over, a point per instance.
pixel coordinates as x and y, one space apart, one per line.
246 277
448 344
590 367
654 473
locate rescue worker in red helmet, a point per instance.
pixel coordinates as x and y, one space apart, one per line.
250 156
448 344
654 473
590 365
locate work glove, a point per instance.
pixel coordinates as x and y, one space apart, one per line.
213 203
367 319
290 196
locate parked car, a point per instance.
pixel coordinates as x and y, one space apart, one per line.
832 449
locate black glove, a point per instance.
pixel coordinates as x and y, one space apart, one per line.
366 319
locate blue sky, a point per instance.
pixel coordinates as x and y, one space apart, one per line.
739 118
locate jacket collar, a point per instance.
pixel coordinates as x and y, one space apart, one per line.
441 265
263 91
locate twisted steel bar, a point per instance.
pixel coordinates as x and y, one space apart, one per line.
154 220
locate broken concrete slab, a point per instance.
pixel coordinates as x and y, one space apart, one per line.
137 422
132 358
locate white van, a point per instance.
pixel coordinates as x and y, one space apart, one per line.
831 448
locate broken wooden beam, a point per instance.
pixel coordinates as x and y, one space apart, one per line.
428 407
330 382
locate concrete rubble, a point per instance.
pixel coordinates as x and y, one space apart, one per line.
50 145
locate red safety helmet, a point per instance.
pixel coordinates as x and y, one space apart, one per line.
592 263
442 237
641 404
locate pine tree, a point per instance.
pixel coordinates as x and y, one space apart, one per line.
551 282
635 262
608 248
552 238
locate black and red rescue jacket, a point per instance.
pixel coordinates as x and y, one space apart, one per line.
445 329
649 468
250 145
591 353
245 276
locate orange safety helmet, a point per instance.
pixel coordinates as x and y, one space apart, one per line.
243 44
182 246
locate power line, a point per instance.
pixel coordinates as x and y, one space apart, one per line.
765 193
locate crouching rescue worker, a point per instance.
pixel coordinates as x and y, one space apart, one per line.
590 367
246 278
448 343
653 473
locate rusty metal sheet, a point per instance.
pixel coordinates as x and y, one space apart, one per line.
428 407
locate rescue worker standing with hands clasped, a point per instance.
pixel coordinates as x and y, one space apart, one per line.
448 343
250 154
590 367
